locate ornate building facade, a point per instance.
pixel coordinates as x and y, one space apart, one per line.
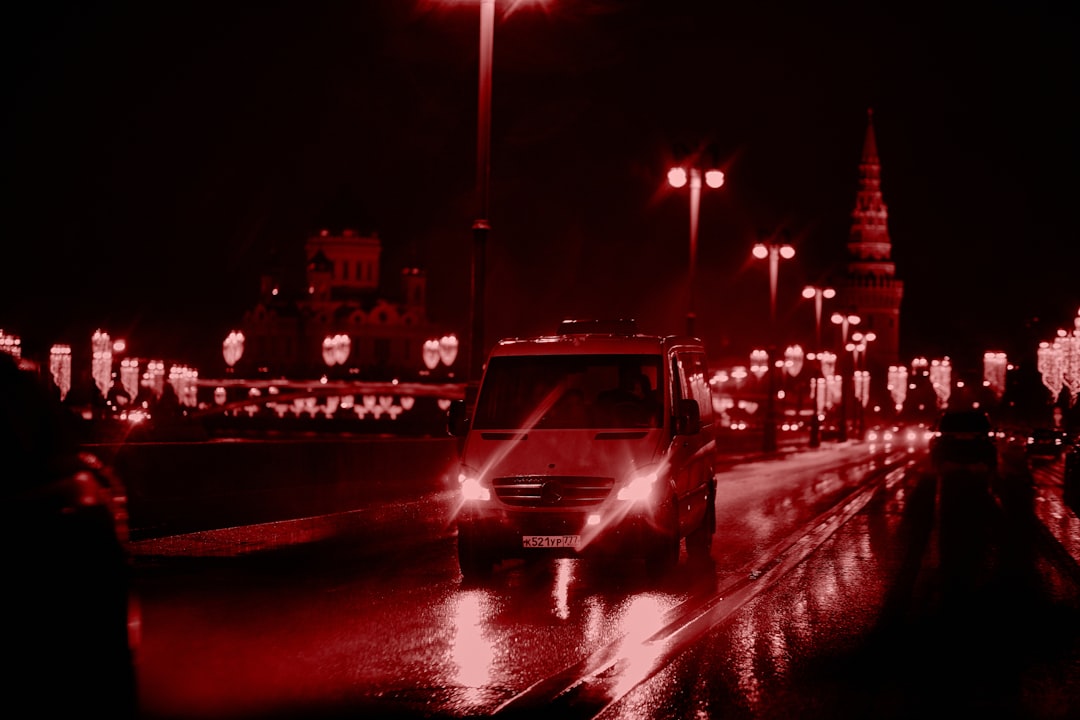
376 333
869 287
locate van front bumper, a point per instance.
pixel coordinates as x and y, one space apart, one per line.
504 532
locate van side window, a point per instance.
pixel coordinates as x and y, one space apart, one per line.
693 382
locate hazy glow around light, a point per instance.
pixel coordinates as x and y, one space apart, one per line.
677 177
714 178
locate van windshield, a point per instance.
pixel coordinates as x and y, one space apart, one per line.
571 391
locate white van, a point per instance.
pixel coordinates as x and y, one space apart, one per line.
597 439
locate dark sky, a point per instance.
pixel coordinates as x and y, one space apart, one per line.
155 153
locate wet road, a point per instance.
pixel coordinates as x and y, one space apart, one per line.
843 583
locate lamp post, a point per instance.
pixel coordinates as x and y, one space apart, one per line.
481 225
860 377
678 177
773 251
844 321
819 294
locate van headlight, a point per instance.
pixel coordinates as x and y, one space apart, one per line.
640 486
472 489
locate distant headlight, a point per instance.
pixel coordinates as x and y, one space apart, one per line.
640 486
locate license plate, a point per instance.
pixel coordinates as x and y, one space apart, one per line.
549 541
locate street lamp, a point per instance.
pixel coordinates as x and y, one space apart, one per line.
481 224
678 177
335 349
844 321
941 380
60 367
860 377
439 350
898 386
994 367
232 349
819 294
773 251
1059 363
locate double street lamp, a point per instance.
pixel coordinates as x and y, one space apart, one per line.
481 224
860 376
845 322
679 177
819 294
774 251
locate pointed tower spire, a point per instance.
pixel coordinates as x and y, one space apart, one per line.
869 151
869 240
870 287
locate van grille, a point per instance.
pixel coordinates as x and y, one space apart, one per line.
553 490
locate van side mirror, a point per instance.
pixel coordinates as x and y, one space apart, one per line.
687 418
457 419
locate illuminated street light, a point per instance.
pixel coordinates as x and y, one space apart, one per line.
60 368
129 377
232 349
481 224
436 350
759 362
677 178
860 376
845 322
773 251
819 295
1059 362
101 353
941 380
898 385
11 344
858 346
335 349
995 365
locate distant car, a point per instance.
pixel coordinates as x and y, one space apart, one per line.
886 435
910 437
1046 443
917 436
73 620
964 439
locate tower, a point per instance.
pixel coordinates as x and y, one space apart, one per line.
869 287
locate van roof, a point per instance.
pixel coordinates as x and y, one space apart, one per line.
602 343
620 326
